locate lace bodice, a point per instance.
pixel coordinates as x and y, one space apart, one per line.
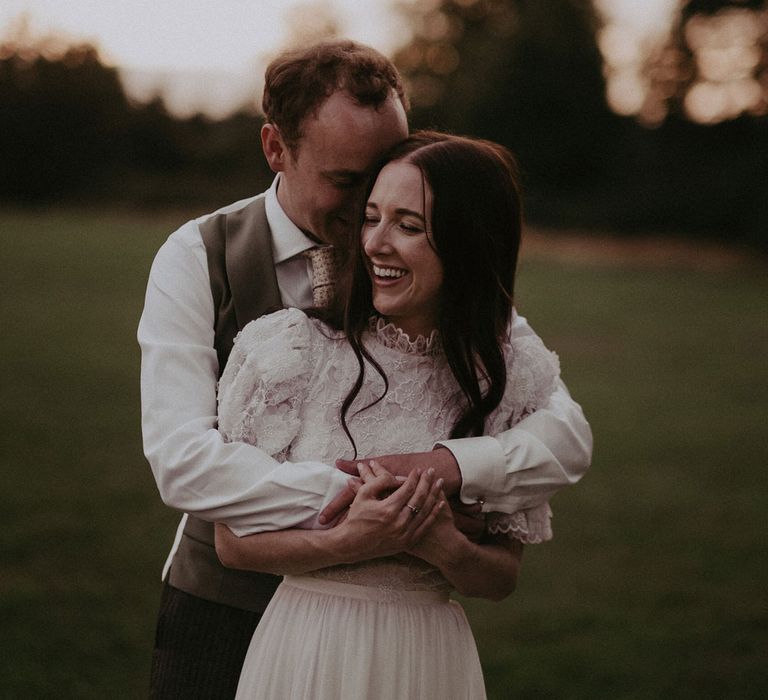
288 375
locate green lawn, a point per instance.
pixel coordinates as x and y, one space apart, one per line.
653 588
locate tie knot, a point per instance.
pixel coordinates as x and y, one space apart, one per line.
323 261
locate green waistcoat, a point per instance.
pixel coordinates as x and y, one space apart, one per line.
244 286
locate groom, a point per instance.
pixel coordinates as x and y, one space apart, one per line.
332 110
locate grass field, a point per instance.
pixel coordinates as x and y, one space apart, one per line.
654 587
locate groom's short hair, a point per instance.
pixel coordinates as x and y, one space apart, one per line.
298 82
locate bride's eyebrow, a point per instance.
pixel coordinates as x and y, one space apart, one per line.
402 211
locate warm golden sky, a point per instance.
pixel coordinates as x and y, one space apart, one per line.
209 54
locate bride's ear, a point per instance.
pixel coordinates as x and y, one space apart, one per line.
275 150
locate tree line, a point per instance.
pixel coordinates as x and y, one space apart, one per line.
525 73
69 133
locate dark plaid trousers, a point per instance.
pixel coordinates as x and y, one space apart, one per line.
199 647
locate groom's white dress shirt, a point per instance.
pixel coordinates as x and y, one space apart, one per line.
239 484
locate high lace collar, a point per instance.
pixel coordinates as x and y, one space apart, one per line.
389 335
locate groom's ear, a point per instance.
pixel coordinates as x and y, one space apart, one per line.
275 150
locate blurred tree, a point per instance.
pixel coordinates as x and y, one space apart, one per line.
62 120
703 166
522 72
710 66
68 131
530 75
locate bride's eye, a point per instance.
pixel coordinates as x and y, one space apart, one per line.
409 227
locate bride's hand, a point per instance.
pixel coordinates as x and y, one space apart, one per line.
439 539
387 515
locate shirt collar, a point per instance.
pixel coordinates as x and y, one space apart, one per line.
287 239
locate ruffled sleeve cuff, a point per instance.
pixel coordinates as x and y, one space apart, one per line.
530 526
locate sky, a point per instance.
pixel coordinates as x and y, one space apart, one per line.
209 55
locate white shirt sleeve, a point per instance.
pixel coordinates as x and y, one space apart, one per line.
522 467
195 470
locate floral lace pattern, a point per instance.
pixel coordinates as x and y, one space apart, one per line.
288 375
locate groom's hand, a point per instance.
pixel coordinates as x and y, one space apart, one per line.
339 505
440 459
469 519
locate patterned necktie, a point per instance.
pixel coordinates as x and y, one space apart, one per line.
323 274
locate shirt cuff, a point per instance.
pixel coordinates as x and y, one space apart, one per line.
481 462
296 505
337 482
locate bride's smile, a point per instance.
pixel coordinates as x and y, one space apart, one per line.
406 272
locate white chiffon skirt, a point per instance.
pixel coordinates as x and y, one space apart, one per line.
326 640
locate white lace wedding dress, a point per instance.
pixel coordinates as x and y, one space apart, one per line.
385 628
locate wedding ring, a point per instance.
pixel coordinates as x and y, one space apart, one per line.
414 509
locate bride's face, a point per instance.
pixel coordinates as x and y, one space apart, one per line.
405 271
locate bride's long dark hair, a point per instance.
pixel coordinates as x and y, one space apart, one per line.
475 230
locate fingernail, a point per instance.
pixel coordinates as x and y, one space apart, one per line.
322 520
439 482
431 471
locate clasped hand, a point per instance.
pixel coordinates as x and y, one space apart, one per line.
468 518
388 515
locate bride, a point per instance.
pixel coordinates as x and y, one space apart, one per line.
417 351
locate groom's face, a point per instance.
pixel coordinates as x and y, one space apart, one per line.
322 178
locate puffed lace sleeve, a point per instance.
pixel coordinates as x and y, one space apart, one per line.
532 374
261 390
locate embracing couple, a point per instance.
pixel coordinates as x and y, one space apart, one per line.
337 390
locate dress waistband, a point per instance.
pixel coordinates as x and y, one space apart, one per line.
351 590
